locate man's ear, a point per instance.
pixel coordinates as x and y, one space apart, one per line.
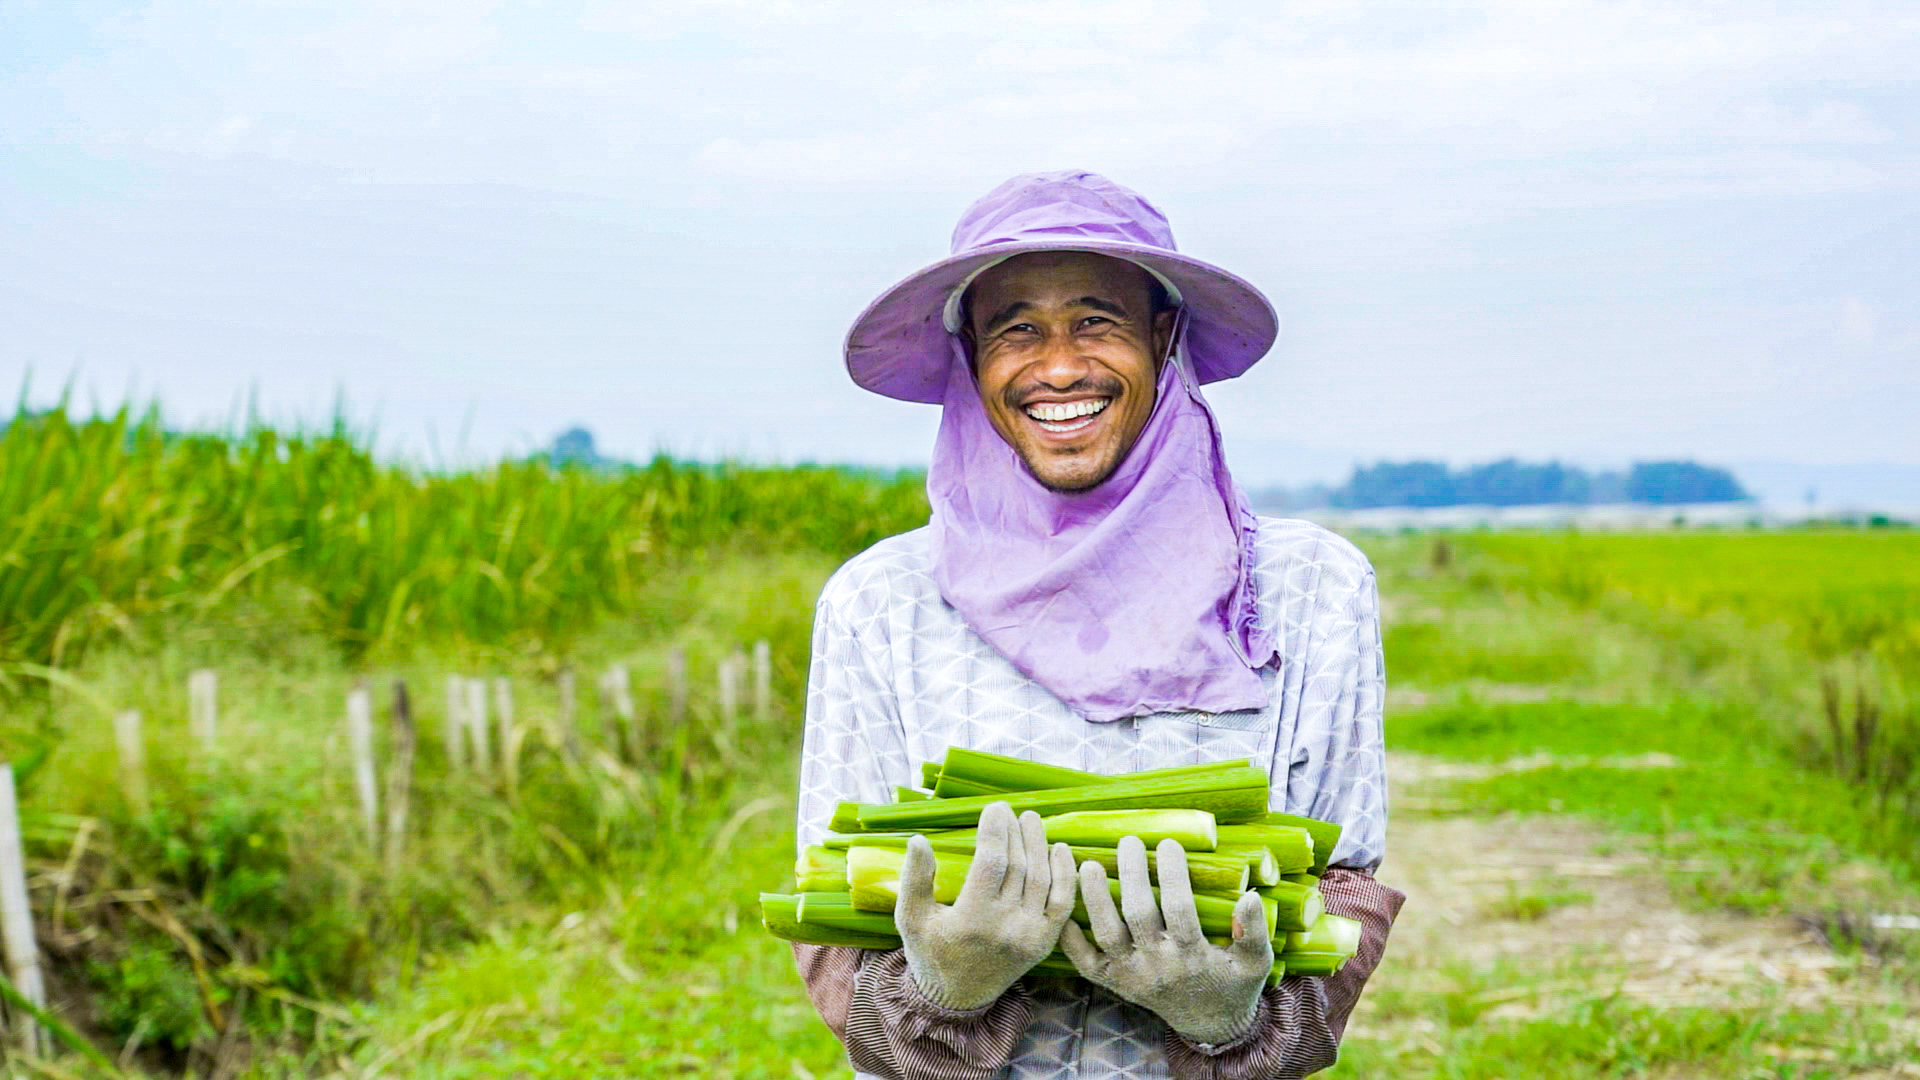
965 334
1163 335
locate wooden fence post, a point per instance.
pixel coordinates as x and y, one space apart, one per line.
677 687
610 728
203 706
569 714
133 759
454 734
762 681
400 774
503 704
360 742
477 728
731 667
510 737
16 919
616 688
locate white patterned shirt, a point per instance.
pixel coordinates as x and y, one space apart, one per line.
898 677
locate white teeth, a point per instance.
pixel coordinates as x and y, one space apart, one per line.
1067 410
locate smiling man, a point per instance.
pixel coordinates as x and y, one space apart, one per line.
1067 359
1092 591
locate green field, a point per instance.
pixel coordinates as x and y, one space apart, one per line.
591 914
1664 690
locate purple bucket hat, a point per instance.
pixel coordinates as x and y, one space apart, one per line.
899 346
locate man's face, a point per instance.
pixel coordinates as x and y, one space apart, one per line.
1066 349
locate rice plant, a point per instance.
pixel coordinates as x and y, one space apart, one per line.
105 523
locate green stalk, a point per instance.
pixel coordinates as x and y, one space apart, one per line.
907 794
1323 948
846 818
1194 829
780 914
1302 879
837 911
1292 847
1208 871
843 841
873 877
930 775
1231 795
1309 963
953 787
820 869
1299 905
1325 835
1330 934
998 772
1259 859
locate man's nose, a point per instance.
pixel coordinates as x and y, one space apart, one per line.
1061 362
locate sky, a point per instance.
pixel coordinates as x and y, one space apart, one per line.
1597 232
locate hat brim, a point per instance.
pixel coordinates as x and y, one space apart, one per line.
899 345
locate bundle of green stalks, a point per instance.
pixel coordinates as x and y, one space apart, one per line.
846 886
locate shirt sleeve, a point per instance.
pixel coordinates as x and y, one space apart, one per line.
854 750
1336 772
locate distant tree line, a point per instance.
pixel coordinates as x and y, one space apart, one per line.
1517 483
576 448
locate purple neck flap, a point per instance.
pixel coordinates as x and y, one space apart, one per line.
1131 598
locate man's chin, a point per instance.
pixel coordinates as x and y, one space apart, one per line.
1069 475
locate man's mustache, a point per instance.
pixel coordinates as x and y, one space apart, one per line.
1016 397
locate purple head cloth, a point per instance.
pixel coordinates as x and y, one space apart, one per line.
1133 597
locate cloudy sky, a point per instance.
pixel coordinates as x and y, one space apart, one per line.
1597 231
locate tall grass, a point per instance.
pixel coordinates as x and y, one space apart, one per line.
107 522
242 914
1818 629
247 910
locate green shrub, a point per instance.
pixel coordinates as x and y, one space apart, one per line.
145 990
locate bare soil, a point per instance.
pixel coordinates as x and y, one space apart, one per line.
1517 916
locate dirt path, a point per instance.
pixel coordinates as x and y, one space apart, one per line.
1513 917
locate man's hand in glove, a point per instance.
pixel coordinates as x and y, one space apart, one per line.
1158 959
1006 919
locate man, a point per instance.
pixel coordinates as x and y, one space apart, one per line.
1092 591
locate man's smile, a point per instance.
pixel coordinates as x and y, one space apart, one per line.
1067 417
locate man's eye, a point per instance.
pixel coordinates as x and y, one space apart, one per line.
1095 320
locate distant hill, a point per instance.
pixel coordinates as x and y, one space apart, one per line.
575 447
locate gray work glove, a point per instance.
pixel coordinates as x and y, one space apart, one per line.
1158 959
1006 919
